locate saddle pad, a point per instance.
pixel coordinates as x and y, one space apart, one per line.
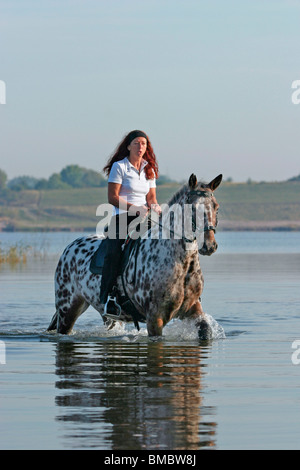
97 260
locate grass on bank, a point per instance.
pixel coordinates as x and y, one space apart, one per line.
14 254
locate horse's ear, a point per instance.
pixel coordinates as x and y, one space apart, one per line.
215 182
192 181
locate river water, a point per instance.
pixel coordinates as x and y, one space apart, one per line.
119 390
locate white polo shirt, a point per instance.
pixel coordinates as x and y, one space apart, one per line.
134 185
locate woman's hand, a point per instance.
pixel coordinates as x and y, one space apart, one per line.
152 201
156 208
141 211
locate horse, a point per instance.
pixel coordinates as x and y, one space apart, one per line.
163 278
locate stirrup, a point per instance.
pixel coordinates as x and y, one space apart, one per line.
116 316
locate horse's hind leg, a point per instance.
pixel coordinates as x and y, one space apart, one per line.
66 315
53 323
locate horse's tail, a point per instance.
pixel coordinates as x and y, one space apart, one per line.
53 323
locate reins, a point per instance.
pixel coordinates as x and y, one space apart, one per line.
187 240
205 229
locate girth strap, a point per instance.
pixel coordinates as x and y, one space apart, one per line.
127 304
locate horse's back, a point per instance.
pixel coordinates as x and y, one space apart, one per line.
78 253
72 278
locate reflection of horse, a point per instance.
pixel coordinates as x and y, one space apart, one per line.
163 279
133 395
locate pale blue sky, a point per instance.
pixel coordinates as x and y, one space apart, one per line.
209 81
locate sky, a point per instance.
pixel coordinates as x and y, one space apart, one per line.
209 81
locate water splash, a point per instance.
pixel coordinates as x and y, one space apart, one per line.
176 330
184 330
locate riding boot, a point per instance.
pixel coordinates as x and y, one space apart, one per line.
110 268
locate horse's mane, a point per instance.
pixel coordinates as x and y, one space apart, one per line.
176 197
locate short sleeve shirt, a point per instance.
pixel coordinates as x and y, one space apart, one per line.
134 184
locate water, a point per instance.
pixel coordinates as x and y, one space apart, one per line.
118 390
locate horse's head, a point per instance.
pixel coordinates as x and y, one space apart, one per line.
205 193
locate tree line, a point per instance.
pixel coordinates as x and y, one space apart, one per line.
72 176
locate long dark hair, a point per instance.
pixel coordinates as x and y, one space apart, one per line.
122 151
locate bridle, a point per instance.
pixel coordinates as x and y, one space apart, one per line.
207 228
206 194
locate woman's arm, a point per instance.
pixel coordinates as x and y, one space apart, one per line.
152 201
116 200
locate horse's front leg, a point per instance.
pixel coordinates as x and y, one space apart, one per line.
155 325
204 329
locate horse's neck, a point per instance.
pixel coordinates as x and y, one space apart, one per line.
177 212
172 238
179 197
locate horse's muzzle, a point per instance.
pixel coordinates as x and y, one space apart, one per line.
208 248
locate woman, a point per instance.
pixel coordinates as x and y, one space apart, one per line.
132 172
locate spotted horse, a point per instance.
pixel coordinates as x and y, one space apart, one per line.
163 279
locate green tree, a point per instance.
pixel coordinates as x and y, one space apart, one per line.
42 184
295 178
72 175
164 179
93 179
79 177
55 182
3 179
22 182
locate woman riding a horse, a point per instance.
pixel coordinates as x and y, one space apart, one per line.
132 172
162 277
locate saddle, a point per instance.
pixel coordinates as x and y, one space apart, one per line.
97 260
96 267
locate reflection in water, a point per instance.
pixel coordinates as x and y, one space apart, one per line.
114 395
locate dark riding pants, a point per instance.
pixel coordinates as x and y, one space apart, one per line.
117 233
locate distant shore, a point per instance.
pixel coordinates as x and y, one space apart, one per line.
223 226
247 207
259 226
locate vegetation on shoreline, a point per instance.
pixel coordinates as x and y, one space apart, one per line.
14 254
